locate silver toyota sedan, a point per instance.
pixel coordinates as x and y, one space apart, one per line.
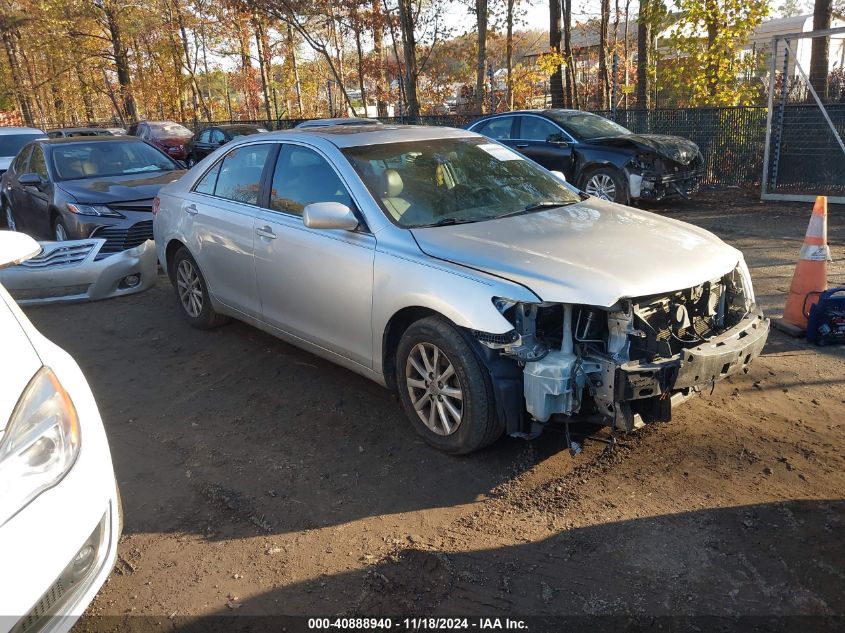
491 294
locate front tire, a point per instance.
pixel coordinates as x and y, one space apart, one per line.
192 293
60 230
605 183
191 161
445 389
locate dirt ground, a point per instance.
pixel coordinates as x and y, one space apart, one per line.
258 479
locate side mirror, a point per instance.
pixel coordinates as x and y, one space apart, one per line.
222 141
30 179
556 139
560 176
329 215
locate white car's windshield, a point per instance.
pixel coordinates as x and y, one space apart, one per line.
451 181
589 126
116 158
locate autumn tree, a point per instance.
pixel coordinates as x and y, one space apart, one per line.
556 77
481 52
820 51
708 41
604 75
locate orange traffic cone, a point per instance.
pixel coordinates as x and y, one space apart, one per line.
810 276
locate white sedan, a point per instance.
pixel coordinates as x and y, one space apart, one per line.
59 504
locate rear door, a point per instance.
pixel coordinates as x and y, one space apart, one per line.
218 218
314 284
500 128
534 139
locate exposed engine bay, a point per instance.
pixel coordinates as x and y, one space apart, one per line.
624 366
656 177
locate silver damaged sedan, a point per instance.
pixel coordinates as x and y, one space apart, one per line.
489 293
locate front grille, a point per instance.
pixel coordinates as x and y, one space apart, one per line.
60 256
119 239
50 598
136 205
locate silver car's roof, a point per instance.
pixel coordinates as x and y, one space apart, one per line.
356 135
19 130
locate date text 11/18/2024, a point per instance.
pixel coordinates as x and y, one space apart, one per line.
417 624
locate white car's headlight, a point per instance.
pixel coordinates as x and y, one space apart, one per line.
40 444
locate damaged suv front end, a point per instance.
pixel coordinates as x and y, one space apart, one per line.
628 364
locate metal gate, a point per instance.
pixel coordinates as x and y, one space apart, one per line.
804 152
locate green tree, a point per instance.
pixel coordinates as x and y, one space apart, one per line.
708 42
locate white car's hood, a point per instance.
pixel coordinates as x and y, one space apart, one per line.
20 361
593 253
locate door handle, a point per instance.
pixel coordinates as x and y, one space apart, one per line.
265 232
192 209
521 145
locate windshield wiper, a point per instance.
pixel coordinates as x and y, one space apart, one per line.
546 204
536 206
446 222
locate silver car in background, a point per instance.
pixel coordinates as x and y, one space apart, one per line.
490 294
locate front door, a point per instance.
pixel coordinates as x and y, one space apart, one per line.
535 139
218 217
35 199
15 191
314 284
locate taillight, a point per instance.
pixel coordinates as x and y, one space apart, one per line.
156 205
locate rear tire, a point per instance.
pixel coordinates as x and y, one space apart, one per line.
445 389
192 293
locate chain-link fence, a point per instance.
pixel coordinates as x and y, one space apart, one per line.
731 139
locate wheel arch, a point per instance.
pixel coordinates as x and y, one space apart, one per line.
170 252
393 331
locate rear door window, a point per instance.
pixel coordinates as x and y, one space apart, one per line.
499 128
209 181
240 173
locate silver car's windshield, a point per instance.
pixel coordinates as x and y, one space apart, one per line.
454 180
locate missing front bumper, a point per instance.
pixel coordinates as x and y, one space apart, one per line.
646 391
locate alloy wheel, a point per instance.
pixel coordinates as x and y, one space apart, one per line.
434 388
190 288
601 186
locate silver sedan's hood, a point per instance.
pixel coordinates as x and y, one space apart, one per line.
593 252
